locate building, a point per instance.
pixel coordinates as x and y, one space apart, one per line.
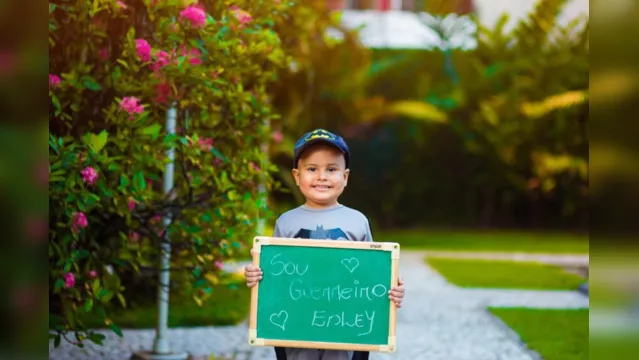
403 23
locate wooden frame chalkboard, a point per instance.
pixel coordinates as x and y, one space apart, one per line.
393 248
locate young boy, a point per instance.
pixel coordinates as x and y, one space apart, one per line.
320 168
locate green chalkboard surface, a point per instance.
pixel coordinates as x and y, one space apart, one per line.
324 294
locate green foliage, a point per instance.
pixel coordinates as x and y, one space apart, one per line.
121 65
525 100
512 141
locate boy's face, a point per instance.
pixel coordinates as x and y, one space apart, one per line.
321 175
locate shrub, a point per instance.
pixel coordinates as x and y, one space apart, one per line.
117 67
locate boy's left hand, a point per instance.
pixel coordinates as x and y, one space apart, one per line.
396 294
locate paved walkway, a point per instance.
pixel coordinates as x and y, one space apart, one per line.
438 321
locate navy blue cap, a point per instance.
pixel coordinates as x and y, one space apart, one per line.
320 136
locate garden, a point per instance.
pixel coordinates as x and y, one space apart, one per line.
172 124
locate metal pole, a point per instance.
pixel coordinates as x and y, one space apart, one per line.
160 345
161 348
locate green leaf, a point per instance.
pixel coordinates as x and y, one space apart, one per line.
124 182
97 142
88 305
67 265
122 300
90 83
218 154
56 104
139 183
95 286
91 199
153 130
170 139
58 285
105 295
417 110
116 329
97 338
56 342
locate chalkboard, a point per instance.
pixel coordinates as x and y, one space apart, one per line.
324 294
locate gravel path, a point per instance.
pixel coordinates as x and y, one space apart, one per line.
438 321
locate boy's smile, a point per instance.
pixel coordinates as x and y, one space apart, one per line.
321 175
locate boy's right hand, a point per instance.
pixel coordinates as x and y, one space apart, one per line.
252 274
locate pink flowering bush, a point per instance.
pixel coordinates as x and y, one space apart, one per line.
114 73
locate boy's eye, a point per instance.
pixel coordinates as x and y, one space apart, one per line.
311 169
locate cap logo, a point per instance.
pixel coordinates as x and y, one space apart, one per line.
319 134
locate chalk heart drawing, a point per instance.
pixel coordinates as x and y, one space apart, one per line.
279 319
350 264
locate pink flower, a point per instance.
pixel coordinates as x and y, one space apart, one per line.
121 5
205 144
162 59
255 167
241 15
79 221
89 175
278 137
195 15
103 53
144 49
219 265
218 162
134 237
163 91
54 80
93 274
194 55
131 105
131 205
69 280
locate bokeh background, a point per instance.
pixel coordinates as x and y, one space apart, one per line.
469 123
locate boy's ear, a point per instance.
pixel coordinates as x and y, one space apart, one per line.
346 172
296 176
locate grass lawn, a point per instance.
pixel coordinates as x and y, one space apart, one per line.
498 241
553 334
228 305
504 274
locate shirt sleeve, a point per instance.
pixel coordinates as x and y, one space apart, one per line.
368 234
277 232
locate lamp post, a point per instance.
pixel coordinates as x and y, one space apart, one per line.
161 348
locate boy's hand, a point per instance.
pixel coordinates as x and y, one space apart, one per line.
396 294
252 275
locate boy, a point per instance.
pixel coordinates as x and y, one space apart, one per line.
320 169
